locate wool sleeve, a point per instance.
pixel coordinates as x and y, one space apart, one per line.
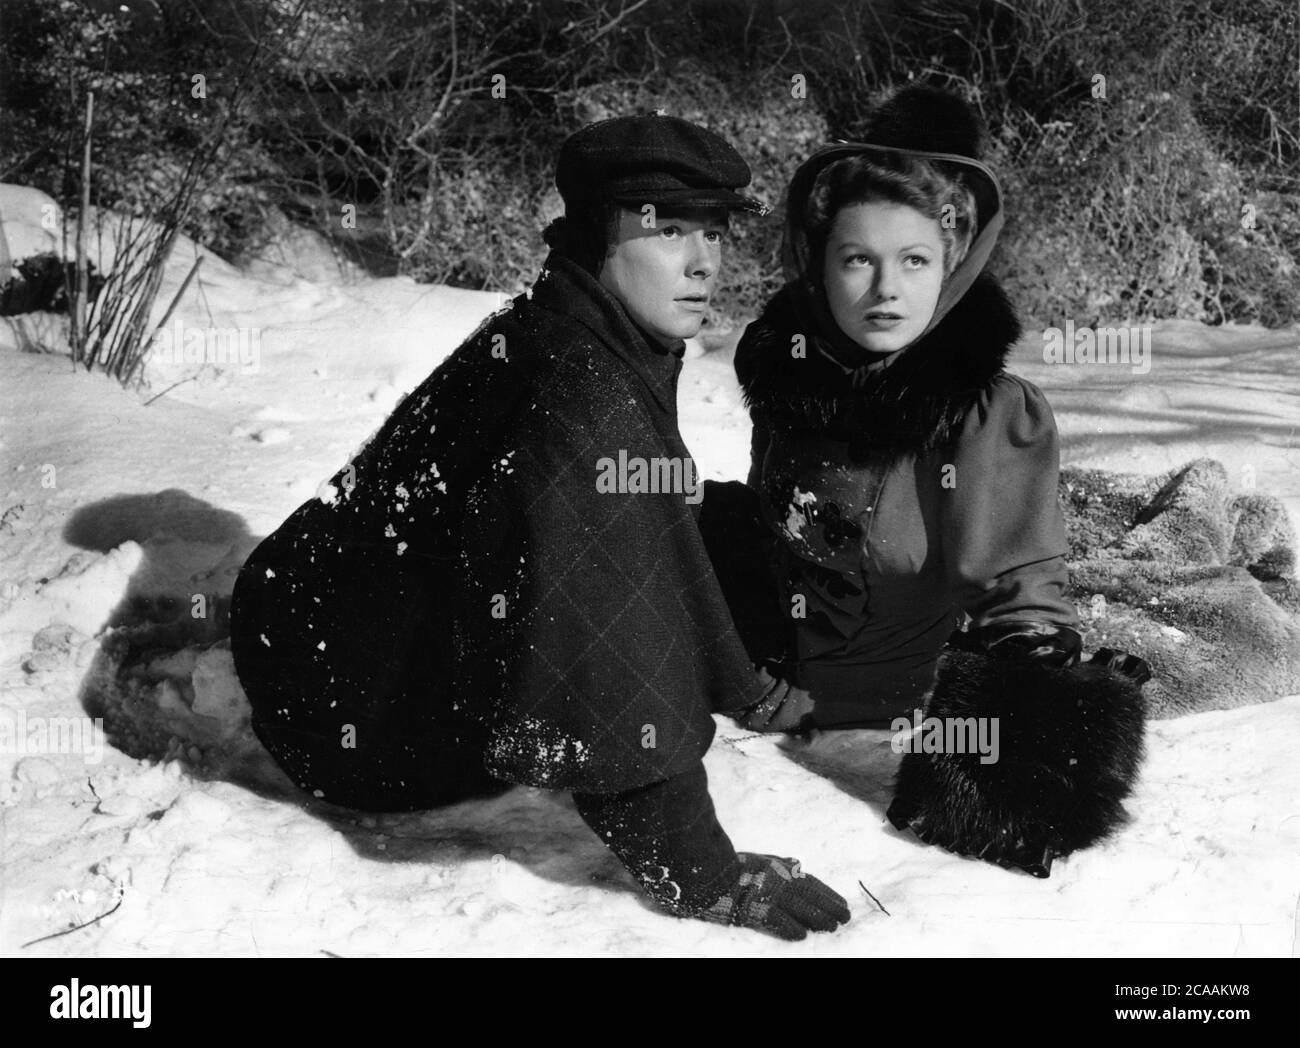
1002 531
667 836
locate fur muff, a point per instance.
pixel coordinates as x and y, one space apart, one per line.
1070 743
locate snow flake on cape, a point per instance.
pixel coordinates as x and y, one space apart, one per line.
542 746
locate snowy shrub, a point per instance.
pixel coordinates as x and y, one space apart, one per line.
149 125
1128 205
413 134
487 221
1234 60
1128 211
469 205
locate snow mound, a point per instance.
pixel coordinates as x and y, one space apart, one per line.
31 224
82 593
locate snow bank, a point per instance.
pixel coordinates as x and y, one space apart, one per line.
30 224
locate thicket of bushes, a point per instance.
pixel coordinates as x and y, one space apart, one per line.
1175 194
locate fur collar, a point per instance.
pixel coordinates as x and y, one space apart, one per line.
915 402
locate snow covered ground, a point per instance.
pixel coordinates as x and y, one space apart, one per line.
118 512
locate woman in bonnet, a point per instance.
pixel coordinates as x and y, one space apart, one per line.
913 547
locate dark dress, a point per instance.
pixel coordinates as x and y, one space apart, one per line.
889 532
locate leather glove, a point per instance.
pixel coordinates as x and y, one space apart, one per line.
1133 667
774 895
1043 641
782 708
1053 645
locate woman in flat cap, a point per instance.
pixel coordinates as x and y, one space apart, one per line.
483 598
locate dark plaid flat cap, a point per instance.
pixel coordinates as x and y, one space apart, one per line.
660 160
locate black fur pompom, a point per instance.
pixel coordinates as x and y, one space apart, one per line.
1070 743
928 119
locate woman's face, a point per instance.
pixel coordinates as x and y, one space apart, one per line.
883 273
665 274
